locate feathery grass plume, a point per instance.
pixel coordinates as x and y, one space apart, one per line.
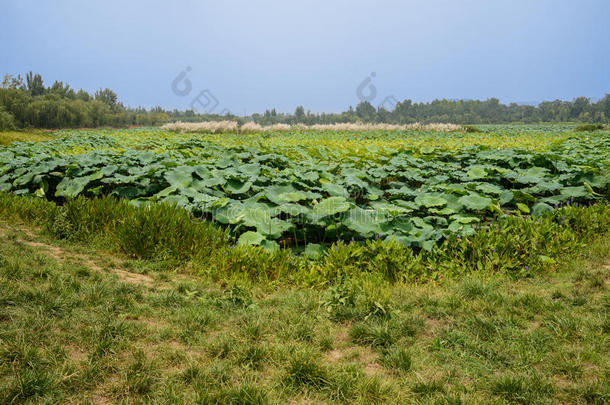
277 127
212 127
220 127
349 126
250 127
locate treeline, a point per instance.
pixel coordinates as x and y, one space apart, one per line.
463 112
28 103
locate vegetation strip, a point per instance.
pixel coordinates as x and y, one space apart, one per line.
295 196
73 332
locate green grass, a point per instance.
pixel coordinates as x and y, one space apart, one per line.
79 324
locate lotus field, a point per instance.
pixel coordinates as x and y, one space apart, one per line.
310 188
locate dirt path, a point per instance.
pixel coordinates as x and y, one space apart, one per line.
62 254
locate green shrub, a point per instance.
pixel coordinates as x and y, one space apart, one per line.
470 128
589 127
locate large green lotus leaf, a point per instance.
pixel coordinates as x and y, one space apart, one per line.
598 181
273 193
108 170
252 170
444 211
541 209
188 192
250 238
373 193
575 192
314 251
506 197
309 176
545 186
214 181
522 196
453 201
202 171
256 216
270 245
128 192
489 188
166 191
231 213
476 172
293 196
532 175
292 209
71 187
331 206
260 218
464 219
364 222
389 208
403 191
555 199
226 162
180 177
24 179
420 223
461 228
355 181
200 186
335 190
430 200
204 198
353 172
235 186
275 228
178 200
475 202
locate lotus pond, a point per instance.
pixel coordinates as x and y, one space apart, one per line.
313 188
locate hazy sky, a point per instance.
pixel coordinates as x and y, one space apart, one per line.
253 55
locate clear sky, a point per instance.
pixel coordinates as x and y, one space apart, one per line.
252 55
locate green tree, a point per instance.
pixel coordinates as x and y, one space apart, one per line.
34 84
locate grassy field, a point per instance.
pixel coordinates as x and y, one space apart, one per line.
81 325
6 137
124 277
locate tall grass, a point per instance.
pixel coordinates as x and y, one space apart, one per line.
250 128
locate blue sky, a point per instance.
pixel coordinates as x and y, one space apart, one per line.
253 55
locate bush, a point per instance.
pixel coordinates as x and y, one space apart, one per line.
470 128
589 127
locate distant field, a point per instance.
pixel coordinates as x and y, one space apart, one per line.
31 136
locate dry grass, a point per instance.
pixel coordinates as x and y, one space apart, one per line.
437 127
215 127
250 128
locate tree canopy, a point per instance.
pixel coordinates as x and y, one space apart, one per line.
28 103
